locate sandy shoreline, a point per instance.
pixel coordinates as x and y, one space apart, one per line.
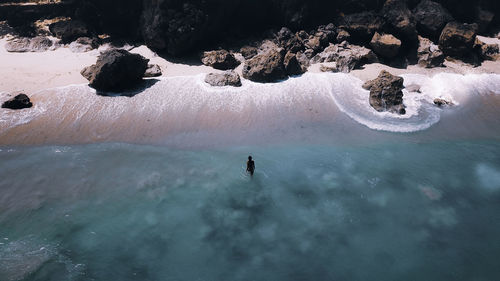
29 72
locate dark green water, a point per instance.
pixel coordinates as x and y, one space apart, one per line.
396 211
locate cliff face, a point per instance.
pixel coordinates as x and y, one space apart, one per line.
180 26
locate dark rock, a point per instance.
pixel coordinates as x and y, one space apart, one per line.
362 26
431 18
266 67
457 39
248 52
116 70
69 31
385 45
292 64
18 102
442 102
289 41
220 59
429 54
36 44
153 70
484 18
386 93
487 51
84 44
347 56
228 78
400 18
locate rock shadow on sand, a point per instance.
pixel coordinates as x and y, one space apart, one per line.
143 86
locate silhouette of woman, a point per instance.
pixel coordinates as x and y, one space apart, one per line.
250 165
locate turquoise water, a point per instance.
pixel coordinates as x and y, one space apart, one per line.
393 211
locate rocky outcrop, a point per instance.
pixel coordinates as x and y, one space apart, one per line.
116 70
36 44
69 31
20 101
347 56
248 52
431 18
429 54
227 78
386 93
362 26
220 59
153 70
266 67
385 45
457 39
400 19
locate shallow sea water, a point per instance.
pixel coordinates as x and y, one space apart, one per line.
393 211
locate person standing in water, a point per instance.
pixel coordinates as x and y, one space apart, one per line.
250 165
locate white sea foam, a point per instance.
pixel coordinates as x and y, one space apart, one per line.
186 106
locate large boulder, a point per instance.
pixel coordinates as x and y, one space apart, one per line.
266 67
116 70
36 44
429 54
385 45
69 31
227 78
457 39
18 102
362 26
431 18
386 93
400 18
220 59
347 56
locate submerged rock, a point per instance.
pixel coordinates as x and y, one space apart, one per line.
385 45
266 67
220 59
228 78
116 70
442 102
386 93
457 39
18 102
153 70
36 44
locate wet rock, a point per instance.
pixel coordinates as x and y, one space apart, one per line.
292 64
429 54
20 101
116 70
347 56
228 78
248 52
400 18
386 93
36 44
266 67
457 39
431 18
84 44
69 31
442 102
153 70
385 45
220 59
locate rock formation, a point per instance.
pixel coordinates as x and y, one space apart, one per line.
386 93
